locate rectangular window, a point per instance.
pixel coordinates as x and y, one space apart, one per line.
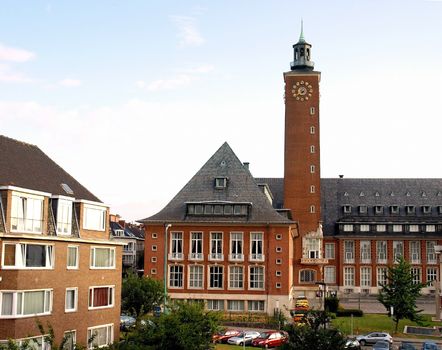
26 213
381 228
378 209
312 246
394 209
381 252
235 305
381 276
312 149
100 336
431 254
329 274
347 209
348 228
71 300
176 246
196 246
176 276
329 250
64 217
215 305
430 228
398 250
256 246
72 257
414 228
365 247
312 130
34 343
349 252
362 209
312 110
216 246
255 305
397 228
365 276
25 303
101 297
94 218
28 256
236 244
70 340
349 276
312 169
415 252
236 277
431 274
256 278
416 272
102 258
364 228
220 182
216 276
196 276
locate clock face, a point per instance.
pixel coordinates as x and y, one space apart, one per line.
302 91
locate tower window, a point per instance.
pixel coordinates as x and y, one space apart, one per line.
312 110
312 149
312 130
302 53
312 169
312 189
312 209
220 182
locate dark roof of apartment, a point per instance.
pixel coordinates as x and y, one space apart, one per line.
25 165
241 189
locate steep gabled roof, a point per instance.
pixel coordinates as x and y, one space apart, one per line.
25 165
241 188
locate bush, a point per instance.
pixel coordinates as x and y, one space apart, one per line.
332 304
349 312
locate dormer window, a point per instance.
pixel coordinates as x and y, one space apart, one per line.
411 209
426 209
362 209
218 209
64 217
119 233
198 209
394 209
220 182
26 213
379 209
347 209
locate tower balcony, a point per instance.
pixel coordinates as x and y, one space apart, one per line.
314 261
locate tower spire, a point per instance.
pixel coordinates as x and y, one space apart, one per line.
302 53
301 36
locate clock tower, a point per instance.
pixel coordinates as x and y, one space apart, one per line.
302 180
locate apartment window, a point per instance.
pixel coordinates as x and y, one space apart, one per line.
426 209
346 209
411 209
216 276
256 277
381 228
364 228
25 303
307 276
215 305
153 271
431 274
176 276
255 305
397 228
349 276
312 246
312 209
256 246
348 227
362 209
312 130
278 261
236 277
236 244
431 254
278 285
101 297
365 276
414 228
278 273
100 336
430 228
394 209
378 209
235 305
71 300
176 246
196 246
102 258
329 274
398 250
70 340
312 110
381 276
72 257
64 217
35 343
220 182
365 248
416 273
312 149
196 273
381 252
216 245
26 213
349 251
154 248
329 250
153 259
312 169
154 235
415 252
94 218
28 256
278 249
312 189
208 209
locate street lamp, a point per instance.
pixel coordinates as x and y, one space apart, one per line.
438 251
166 228
324 291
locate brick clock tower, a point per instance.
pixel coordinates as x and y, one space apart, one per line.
302 192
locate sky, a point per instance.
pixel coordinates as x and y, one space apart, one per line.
133 97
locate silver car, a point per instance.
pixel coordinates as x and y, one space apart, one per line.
374 337
243 338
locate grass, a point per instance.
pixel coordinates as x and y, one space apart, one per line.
377 322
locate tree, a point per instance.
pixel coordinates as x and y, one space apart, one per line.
139 295
312 334
401 292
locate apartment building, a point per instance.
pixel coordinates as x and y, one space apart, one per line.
58 264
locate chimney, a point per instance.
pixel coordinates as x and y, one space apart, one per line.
246 165
341 176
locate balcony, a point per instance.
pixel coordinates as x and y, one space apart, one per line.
314 261
176 256
236 257
195 256
216 257
256 257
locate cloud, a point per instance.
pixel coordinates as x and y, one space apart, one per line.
70 82
12 54
205 68
8 74
187 31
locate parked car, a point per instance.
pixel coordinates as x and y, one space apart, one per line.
271 339
429 345
407 346
127 322
373 337
243 338
222 336
381 345
352 344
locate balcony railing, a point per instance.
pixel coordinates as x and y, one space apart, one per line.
236 257
256 257
196 256
176 256
314 261
366 261
216 257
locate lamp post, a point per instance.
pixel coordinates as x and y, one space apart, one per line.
324 291
438 251
166 228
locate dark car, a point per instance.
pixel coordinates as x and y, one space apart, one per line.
407 346
352 344
224 335
429 345
381 345
271 339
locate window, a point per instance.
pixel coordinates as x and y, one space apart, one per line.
278 273
278 236
312 130
70 340
119 233
154 235
176 246
348 227
235 305
415 252
430 228
312 247
362 209
154 248
381 228
255 305
397 228
196 246
34 343
381 252
431 254
346 209
215 305
394 209
196 273
307 276
411 209
100 336
153 271
28 256
416 272
25 303
72 257
220 182
216 246
256 278
278 285
94 218
349 276
64 217
431 274
378 209
236 277
102 258
312 149
256 246
216 276
365 276
329 274
71 300
312 189
426 209
398 250
176 276
312 209
153 259
208 209
329 250
381 276
364 228
236 244
278 261
26 213
312 110
349 251
101 297
365 247
278 249
414 228
312 169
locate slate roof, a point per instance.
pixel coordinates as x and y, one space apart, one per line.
25 165
130 231
241 188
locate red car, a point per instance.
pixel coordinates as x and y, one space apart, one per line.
271 339
222 336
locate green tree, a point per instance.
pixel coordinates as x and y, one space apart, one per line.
401 292
312 334
139 295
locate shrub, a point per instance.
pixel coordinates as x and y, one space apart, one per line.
332 303
349 312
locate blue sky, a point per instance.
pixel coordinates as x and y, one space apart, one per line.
132 97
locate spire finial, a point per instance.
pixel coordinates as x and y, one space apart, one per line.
301 37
